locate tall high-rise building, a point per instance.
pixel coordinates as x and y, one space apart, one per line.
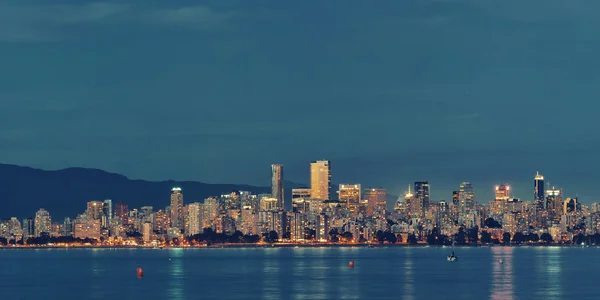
177 208
147 231
268 204
42 222
195 212
86 227
320 179
67 227
107 212
161 221
502 192
497 207
350 194
94 210
376 198
466 197
413 207
422 193
147 215
538 191
554 202
28 228
122 212
15 229
277 190
211 211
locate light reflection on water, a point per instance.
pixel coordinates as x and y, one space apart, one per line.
300 275
271 272
318 277
502 273
409 289
96 289
176 287
551 273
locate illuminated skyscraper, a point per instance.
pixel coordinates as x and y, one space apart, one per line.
86 227
147 214
466 197
211 209
422 193
195 212
412 204
277 190
502 192
538 191
14 229
161 221
376 198
107 212
67 227
177 208
268 204
554 203
320 179
147 231
94 210
497 206
42 222
350 194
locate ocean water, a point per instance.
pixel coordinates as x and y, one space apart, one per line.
301 273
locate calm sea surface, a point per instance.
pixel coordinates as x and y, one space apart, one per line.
301 273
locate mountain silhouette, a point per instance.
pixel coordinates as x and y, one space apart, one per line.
64 193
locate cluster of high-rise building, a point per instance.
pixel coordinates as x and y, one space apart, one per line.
548 212
320 214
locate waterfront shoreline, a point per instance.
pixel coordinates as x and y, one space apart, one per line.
222 246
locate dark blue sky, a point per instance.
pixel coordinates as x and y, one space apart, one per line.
215 91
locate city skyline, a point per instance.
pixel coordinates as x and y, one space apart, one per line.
320 181
351 215
484 193
521 189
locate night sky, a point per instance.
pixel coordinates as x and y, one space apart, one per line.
395 92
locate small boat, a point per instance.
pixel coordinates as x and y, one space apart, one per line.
452 257
501 261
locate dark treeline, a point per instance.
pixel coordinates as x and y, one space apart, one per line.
48 240
211 237
471 237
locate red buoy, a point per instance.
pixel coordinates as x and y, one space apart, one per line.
351 264
140 272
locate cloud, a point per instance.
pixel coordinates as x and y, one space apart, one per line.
194 16
92 12
43 22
